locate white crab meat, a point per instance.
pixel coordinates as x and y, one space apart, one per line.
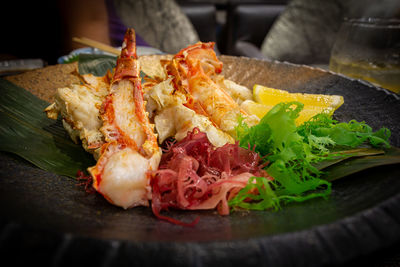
124 179
79 106
173 119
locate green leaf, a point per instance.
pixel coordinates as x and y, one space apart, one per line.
339 156
26 131
71 58
296 155
265 199
351 134
97 65
276 138
357 164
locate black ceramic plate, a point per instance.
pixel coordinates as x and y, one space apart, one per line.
46 218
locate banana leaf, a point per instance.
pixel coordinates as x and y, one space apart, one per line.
342 155
97 65
356 164
26 131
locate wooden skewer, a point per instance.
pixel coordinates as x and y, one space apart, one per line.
95 44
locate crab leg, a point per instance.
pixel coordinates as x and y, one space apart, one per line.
122 174
193 69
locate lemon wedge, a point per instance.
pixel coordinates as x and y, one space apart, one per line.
266 98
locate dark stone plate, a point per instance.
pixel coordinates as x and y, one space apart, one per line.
48 219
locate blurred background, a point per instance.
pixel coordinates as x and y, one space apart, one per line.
39 29
299 31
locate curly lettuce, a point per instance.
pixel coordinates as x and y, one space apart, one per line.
291 152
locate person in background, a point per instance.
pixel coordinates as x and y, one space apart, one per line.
83 19
158 23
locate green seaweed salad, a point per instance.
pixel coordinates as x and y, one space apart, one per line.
296 154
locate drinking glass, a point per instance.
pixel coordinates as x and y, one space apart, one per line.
369 49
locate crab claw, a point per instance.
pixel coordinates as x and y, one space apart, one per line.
123 172
127 64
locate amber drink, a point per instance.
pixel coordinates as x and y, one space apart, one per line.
369 49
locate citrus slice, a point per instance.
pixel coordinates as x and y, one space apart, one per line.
254 108
266 98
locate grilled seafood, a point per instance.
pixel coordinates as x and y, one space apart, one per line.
108 114
194 94
173 119
79 106
130 149
195 70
